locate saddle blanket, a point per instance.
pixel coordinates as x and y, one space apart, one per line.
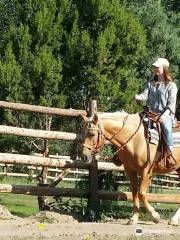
154 137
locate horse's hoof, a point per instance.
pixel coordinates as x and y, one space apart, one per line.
173 222
156 217
131 222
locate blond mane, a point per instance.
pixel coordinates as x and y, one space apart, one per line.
114 115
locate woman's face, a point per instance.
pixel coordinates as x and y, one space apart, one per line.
158 70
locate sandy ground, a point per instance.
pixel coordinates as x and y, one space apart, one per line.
51 225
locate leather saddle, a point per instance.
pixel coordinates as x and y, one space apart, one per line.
166 158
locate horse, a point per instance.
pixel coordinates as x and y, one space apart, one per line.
127 133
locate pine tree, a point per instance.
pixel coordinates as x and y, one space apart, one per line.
75 50
30 66
103 45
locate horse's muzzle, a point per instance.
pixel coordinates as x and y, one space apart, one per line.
86 156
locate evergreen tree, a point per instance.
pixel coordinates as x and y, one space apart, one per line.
171 5
103 45
30 66
31 46
160 20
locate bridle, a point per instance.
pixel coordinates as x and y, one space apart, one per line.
100 130
101 135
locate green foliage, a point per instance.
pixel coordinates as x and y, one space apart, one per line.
60 53
30 58
171 5
160 23
30 68
102 47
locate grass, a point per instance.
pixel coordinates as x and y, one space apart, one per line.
23 205
19 205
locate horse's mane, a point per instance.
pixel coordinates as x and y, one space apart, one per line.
113 115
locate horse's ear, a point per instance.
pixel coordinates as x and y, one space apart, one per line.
95 119
84 118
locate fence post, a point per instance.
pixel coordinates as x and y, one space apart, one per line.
92 210
43 200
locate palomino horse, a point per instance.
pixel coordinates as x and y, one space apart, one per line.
127 133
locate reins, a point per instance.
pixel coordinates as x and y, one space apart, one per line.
124 122
130 138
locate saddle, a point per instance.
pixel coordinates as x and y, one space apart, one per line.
151 121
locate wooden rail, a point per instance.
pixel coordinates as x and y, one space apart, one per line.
35 133
42 109
69 192
167 181
9 158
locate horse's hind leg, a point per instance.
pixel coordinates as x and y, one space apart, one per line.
144 184
133 178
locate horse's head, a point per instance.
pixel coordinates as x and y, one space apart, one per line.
92 137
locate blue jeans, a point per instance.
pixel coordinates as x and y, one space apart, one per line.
167 130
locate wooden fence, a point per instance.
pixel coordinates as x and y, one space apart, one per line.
164 181
44 189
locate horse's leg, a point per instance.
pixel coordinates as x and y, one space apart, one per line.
144 184
175 220
133 178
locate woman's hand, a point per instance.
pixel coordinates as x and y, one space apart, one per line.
139 97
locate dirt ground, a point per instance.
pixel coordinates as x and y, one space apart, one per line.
51 225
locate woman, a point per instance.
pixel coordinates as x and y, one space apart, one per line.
161 94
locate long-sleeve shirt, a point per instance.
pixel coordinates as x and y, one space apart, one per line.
160 96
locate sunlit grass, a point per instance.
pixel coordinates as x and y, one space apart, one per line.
19 205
